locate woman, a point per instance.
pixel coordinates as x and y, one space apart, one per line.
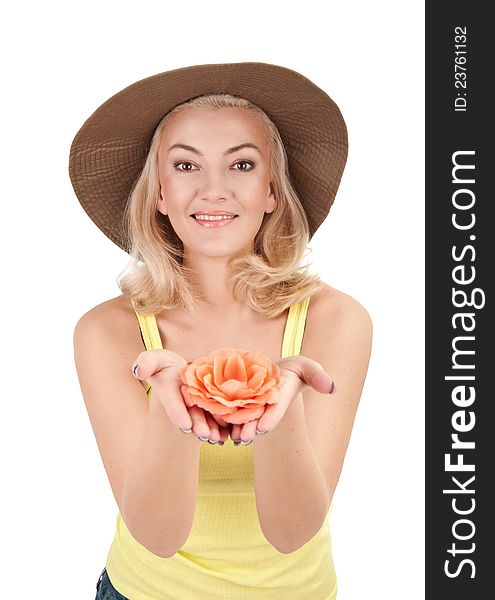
216 202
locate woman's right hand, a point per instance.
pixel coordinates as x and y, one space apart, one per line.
160 369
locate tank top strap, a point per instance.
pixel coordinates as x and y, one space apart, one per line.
149 329
294 328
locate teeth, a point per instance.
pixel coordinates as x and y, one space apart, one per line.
212 217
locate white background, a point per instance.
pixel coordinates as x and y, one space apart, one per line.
61 61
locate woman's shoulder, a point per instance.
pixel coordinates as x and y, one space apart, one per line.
114 316
329 304
330 298
110 324
336 322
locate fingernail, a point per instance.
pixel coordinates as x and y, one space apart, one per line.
236 442
212 442
221 443
134 370
246 443
258 432
334 388
202 439
185 430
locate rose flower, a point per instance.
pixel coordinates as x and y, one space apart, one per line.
231 383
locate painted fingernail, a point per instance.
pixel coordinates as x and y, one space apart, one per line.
334 388
134 370
185 430
258 432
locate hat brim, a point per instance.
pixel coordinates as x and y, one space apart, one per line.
110 149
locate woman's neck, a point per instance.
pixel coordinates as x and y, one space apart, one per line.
213 278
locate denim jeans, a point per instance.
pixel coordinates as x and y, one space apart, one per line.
105 589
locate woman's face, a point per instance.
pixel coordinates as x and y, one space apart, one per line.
204 165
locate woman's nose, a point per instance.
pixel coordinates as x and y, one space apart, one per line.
215 187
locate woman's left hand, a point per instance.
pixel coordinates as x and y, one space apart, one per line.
297 374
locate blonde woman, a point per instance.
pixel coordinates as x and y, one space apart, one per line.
214 179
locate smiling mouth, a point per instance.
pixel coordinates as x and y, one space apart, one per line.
213 217
214 221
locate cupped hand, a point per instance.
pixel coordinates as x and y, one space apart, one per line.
160 369
297 373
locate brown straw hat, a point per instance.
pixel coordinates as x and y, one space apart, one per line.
109 151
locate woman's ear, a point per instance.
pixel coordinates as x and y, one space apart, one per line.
271 201
161 204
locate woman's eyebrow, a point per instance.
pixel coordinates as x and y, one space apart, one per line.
228 151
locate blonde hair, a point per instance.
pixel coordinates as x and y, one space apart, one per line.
268 280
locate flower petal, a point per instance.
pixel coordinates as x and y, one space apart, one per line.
256 375
210 385
210 405
267 386
244 415
235 368
258 358
231 387
190 399
219 358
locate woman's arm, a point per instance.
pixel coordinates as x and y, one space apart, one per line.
298 464
291 497
151 465
159 493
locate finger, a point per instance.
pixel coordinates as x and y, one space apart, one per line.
224 428
273 415
310 372
319 379
315 375
153 361
224 433
214 428
236 432
200 426
248 432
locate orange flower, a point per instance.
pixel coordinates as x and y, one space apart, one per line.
231 383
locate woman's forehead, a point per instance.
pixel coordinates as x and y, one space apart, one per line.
223 126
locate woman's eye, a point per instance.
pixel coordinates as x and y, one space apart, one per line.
182 162
245 162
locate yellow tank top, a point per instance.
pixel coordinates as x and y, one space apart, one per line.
226 556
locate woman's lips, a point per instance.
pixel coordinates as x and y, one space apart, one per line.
214 224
